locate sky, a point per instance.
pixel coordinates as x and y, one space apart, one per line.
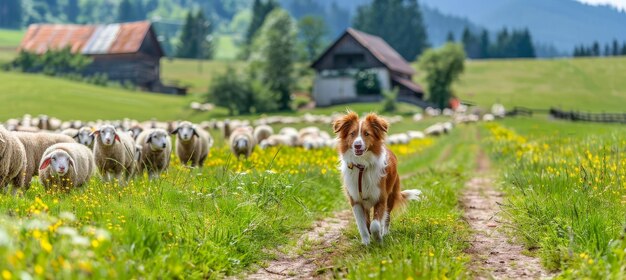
621 4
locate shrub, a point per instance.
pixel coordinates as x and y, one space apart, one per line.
389 100
241 95
367 82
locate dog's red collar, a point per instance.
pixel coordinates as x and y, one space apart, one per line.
361 168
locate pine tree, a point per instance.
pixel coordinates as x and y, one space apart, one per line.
186 47
11 13
616 50
607 50
595 49
398 22
312 32
450 37
484 44
260 10
194 40
623 49
125 11
72 10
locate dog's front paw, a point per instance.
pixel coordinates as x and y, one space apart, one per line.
376 231
365 240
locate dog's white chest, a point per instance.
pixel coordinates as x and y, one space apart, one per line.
370 190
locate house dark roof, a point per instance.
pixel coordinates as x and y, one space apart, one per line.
377 47
118 38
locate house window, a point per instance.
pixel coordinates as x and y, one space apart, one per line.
350 60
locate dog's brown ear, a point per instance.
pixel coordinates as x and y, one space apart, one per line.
379 124
344 122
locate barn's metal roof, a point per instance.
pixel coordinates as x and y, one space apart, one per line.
119 38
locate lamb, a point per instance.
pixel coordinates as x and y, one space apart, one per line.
192 144
82 135
242 142
12 161
156 148
66 165
114 154
35 145
262 132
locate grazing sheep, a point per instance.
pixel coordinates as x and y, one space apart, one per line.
13 161
488 118
135 131
82 135
498 110
114 154
276 140
192 144
417 117
156 148
262 132
35 145
66 165
435 130
415 134
242 142
290 132
447 127
310 142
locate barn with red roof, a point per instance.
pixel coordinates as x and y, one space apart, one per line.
125 52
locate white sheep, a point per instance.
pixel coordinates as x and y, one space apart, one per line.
276 140
192 144
12 161
262 132
82 135
35 145
435 130
242 142
415 134
156 149
114 154
488 117
66 165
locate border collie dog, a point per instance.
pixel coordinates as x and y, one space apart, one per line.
370 175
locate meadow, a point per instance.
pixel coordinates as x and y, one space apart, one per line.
566 184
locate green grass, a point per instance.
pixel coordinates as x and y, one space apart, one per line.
10 37
586 84
195 74
566 186
226 49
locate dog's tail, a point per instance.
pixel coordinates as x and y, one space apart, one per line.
408 195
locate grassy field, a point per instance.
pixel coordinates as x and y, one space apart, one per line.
593 84
566 185
10 38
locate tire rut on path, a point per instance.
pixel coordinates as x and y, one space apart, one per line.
494 256
310 263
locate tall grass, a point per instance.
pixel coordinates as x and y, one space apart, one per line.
566 198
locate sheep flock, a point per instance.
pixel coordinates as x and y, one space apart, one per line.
66 154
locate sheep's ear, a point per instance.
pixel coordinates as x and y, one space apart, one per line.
195 132
45 163
94 133
149 139
175 131
117 138
76 137
73 164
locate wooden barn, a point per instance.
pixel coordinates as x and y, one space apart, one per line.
126 52
355 51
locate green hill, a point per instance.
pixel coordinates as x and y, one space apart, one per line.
38 94
593 84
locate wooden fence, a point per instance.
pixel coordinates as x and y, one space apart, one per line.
588 117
